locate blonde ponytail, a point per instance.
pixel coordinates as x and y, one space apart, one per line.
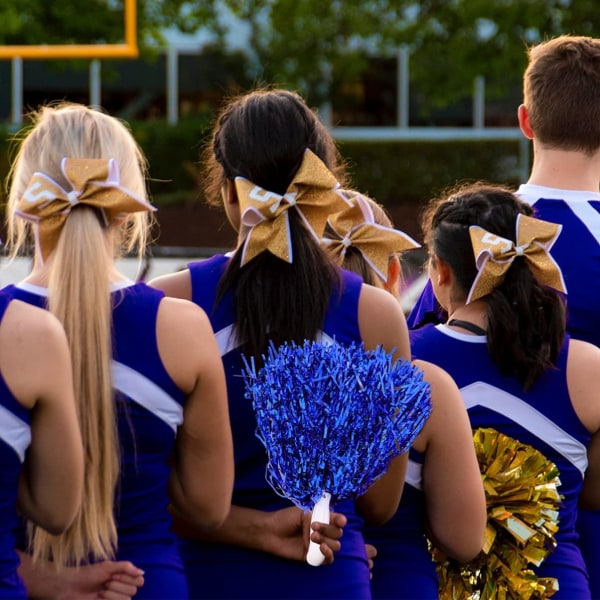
79 296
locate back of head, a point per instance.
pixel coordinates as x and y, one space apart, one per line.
75 131
80 262
526 320
561 90
263 137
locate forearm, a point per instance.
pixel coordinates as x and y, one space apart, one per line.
243 527
40 581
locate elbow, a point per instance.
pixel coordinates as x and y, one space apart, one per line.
55 523
462 549
461 544
211 518
206 513
467 551
375 514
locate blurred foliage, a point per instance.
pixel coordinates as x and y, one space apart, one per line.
392 172
311 45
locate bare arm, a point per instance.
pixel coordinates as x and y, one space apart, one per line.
451 478
284 532
583 379
36 364
106 580
174 285
382 323
202 473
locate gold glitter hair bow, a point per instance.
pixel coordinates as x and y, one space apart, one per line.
495 254
94 182
355 226
314 192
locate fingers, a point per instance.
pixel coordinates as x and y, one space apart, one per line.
327 535
333 530
125 567
371 551
125 579
371 554
122 587
338 519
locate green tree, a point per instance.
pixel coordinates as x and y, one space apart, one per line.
98 21
308 44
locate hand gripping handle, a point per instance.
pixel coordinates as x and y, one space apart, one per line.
320 513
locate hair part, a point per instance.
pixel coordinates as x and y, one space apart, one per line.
79 296
526 320
561 90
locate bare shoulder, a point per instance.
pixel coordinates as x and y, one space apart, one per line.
583 381
435 374
186 341
374 300
382 322
176 285
583 353
34 352
31 327
181 314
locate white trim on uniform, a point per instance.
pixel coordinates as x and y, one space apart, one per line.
517 410
413 473
227 339
15 432
146 393
463 337
577 200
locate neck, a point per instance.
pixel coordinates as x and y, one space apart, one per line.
475 312
40 273
565 169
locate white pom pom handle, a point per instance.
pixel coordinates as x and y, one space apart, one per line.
320 513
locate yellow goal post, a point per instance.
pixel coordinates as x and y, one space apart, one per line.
128 49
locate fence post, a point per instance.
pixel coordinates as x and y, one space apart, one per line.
95 84
17 91
172 85
479 102
403 82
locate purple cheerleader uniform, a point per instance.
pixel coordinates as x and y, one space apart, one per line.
577 252
220 571
542 417
149 411
15 437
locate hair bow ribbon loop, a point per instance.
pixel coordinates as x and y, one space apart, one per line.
93 182
313 192
494 255
355 226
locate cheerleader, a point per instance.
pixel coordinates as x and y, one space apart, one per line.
148 379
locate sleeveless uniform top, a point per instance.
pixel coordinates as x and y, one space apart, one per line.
219 571
403 568
149 411
542 417
577 251
15 437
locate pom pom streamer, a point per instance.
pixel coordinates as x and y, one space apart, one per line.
522 505
332 417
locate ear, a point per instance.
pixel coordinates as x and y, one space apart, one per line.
442 271
524 124
393 276
229 192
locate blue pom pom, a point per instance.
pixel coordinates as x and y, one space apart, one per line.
332 417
